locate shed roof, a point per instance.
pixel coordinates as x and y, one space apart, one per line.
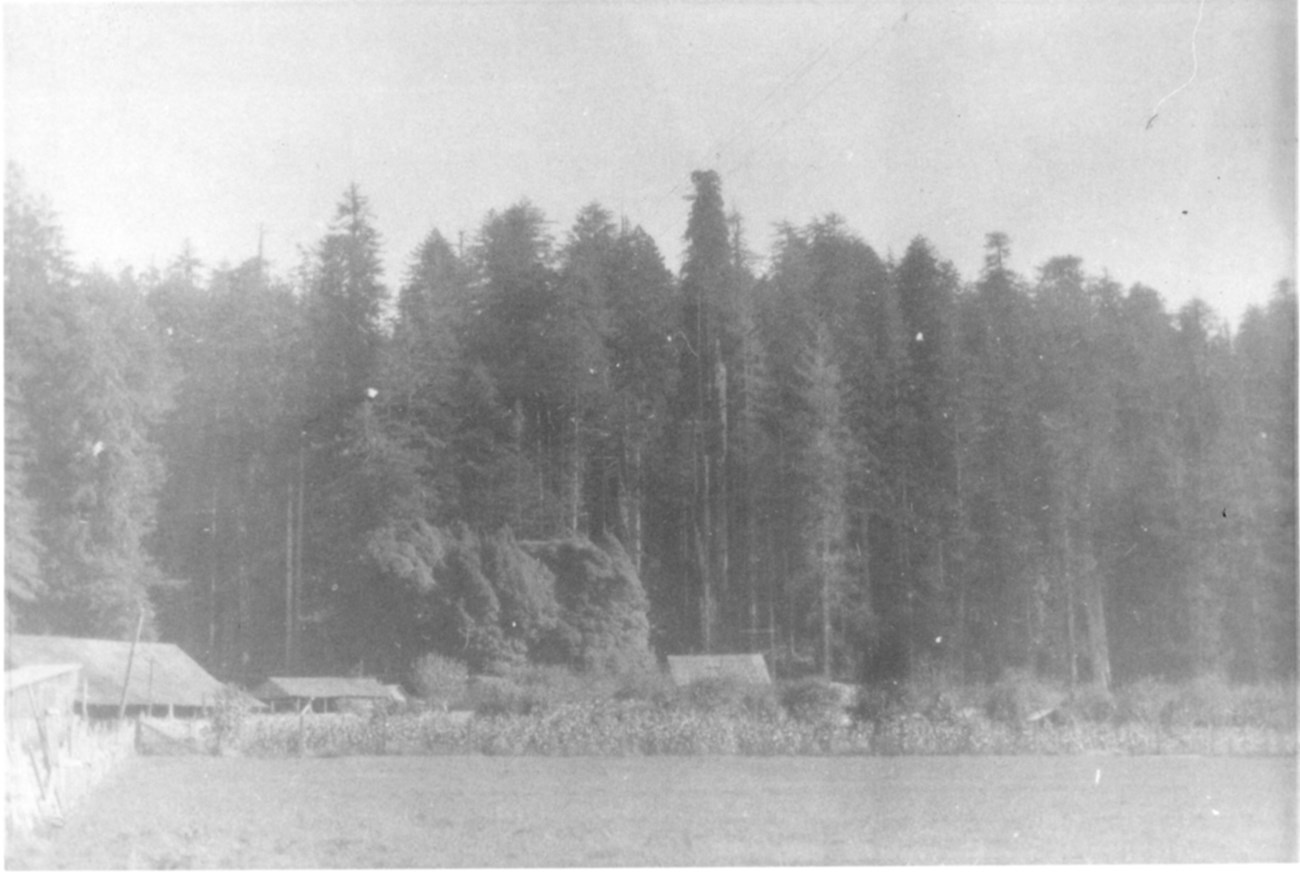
30 691
161 674
324 687
21 676
747 668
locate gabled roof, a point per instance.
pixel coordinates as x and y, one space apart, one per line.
326 687
30 691
161 674
747 668
21 676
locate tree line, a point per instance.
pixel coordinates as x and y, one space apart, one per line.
858 465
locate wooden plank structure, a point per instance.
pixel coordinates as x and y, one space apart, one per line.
321 694
743 668
164 680
54 757
33 691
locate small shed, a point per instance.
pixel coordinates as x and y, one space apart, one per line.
323 694
164 682
743 668
31 692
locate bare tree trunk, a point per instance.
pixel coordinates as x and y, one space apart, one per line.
751 565
962 642
288 581
823 549
1258 634
543 462
1098 641
704 549
909 594
787 600
245 593
1071 638
299 521
212 579
720 552
634 505
575 473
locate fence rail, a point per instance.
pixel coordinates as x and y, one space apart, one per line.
54 756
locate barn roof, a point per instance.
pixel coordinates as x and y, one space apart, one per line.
747 668
325 687
161 674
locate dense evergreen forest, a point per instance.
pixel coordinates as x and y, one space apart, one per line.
862 466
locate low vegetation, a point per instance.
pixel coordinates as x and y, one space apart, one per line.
551 711
483 812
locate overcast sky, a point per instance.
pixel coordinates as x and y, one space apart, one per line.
148 124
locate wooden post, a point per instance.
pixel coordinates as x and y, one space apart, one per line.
130 658
302 728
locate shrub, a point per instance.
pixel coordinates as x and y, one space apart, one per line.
814 700
1019 695
483 592
439 680
1091 704
933 689
491 696
792 663
525 591
1271 706
760 701
1208 701
646 685
602 604
712 694
503 603
1200 701
1145 701
228 716
551 686
878 701
725 694
611 728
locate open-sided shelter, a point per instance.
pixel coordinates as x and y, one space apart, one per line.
323 694
164 680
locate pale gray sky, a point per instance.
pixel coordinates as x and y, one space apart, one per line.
147 124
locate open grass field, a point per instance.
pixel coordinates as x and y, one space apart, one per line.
177 812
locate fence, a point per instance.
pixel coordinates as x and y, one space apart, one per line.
54 756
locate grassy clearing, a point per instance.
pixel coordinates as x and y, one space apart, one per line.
528 811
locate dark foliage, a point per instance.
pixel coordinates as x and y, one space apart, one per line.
1044 483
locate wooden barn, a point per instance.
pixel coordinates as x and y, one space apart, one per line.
322 694
742 668
164 680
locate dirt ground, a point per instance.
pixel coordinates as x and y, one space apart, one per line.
359 812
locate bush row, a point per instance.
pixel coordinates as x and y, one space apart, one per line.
1019 697
550 710
629 728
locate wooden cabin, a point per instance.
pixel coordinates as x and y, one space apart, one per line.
322 694
164 680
